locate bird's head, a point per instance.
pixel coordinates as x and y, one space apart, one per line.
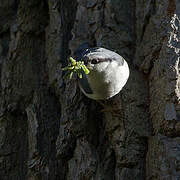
99 60
108 73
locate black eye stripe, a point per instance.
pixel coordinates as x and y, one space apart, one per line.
96 61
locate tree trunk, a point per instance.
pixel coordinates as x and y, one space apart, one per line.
49 130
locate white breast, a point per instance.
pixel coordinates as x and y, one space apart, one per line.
107 80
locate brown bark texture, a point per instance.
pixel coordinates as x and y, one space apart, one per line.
49 130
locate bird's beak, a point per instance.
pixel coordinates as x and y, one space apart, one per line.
85 61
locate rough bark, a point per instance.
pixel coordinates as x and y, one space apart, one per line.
49 130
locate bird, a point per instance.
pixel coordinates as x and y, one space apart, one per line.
109 72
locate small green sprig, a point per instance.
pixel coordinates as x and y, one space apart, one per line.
75 67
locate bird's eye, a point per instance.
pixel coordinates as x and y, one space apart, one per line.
94 61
